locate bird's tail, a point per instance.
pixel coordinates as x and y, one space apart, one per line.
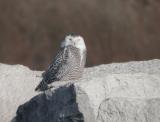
42 86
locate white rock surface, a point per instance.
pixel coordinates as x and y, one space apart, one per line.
17 85
119 92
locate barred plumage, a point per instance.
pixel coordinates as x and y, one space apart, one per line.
68 63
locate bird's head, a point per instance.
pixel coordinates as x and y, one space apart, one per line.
75 41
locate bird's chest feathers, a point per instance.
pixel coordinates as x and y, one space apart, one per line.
76 54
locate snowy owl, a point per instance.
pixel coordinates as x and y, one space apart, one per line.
68 64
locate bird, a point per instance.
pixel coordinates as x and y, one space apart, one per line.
68 64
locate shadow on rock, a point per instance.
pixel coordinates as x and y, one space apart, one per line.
52 106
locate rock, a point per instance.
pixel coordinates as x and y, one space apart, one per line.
17 85
119 92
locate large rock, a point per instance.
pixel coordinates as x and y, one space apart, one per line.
120 92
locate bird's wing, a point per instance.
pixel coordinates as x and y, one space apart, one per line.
58 68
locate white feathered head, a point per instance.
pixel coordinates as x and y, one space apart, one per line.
74 40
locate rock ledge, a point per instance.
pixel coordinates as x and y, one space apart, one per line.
119 92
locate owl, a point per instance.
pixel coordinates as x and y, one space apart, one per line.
68 64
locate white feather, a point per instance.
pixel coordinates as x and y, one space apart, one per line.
76 41
81 46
